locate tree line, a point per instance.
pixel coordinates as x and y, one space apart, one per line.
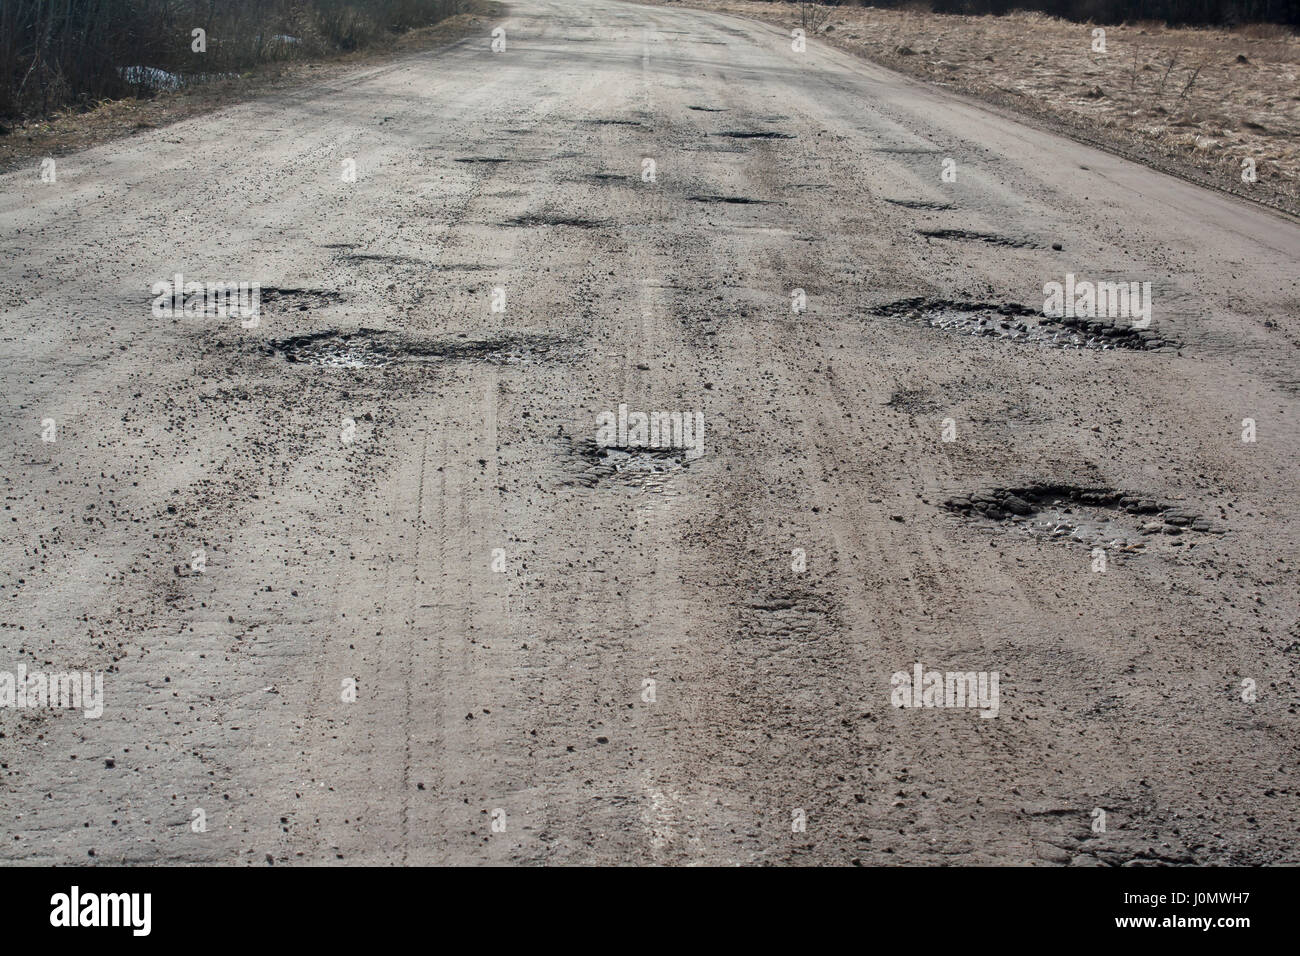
57 53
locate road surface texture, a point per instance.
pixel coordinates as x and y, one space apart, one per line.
564 653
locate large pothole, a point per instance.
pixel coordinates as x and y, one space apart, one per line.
649 468
375 348
1020 323
1096 517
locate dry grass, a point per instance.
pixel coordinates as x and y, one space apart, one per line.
1193 101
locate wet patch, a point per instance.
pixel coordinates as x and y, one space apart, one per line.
920 204
377 348
969 235
756 134
1096 517
1019 323
735 200
641 467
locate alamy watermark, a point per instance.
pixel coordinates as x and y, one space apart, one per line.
82 691
684 430
923 688
1091 300
180 299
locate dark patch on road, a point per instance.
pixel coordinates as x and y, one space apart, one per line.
642 467
736 200
481 159
376 348
788 614
920 204
549 219
1019 323
756 134
1098 517
301 300
708 109
384 258
969 235
913 402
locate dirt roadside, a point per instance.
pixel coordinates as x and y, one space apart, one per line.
1192 102
75 129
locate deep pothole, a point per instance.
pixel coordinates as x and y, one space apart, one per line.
376 348
970 235
649 468
1096 517
1019 323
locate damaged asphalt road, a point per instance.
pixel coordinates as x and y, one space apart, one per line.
363 588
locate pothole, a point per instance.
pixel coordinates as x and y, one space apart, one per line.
608 177
649 468
613 122
969 235
708 109
1019 323
1096 517
789 614
907 150
296 300
546 219
375 348
920 204
735 200
481 159
386 259
755 134
913 402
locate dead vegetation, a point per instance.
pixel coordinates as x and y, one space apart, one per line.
1215 105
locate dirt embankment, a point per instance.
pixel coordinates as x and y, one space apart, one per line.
1194 102
75 129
